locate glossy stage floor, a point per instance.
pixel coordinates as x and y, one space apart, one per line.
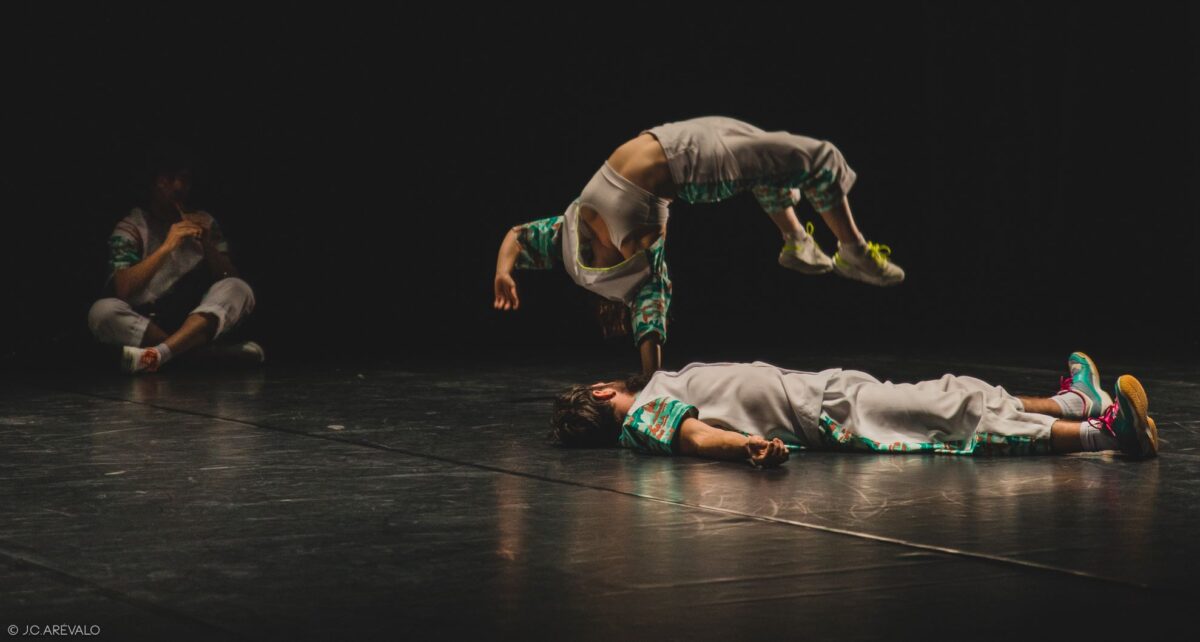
422 501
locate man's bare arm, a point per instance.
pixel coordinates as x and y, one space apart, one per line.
650 350
699 439
128 282
504 285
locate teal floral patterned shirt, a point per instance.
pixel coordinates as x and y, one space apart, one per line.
541 244
541 249
651 428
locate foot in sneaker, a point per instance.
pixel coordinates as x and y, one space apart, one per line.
251 351
139 360
804 255
1127 420
1080 395
244 352
867 263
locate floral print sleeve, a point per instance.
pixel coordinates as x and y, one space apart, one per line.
651 428
653 299
123 252
125 245
541 244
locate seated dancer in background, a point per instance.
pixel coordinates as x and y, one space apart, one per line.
759 412
175 287
611 239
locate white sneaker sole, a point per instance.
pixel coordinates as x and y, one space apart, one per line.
851 272
793 263
129 360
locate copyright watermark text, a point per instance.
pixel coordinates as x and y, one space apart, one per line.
54 630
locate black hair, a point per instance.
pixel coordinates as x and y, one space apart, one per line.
612 316
580 421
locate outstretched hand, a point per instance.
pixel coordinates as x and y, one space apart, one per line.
506 293
766 454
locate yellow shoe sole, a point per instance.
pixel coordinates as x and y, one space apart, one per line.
1130 391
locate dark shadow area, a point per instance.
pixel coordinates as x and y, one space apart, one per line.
1032 168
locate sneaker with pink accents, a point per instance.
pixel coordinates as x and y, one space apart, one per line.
1126 419
1084 384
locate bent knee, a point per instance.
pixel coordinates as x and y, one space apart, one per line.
235 288
235 291
103 313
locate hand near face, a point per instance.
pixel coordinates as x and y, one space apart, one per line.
205 224
197 218
182 231
766 454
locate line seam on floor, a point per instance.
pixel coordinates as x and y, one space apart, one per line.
997 559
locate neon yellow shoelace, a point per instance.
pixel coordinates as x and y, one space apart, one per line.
879 252
808 227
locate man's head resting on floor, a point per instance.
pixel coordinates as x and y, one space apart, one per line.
584 416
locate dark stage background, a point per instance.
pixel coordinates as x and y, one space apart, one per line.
1033 167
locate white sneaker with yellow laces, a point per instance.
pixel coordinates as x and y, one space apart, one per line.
868 263
804 255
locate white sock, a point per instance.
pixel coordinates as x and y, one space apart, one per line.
164 353
1096 439
1070 403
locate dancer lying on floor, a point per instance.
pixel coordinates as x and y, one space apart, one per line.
759 412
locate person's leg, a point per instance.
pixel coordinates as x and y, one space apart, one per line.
115 322
197 330
225 304
840 219
714 158
800 250
1105 425
952 414
783 164
787 222
1067 437
1043 406
818 170
980 416
1070 434
958 414
778 166
857 258
154 335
